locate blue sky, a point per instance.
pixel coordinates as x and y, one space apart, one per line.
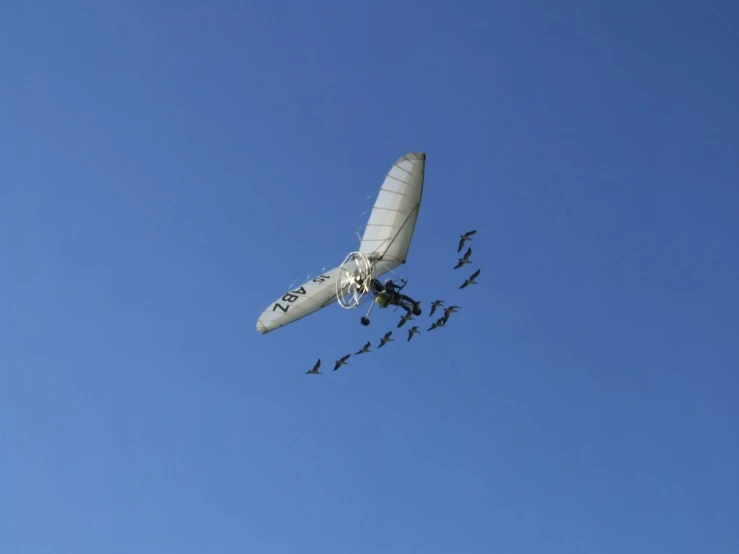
168 169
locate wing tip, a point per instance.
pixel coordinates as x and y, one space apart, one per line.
412 156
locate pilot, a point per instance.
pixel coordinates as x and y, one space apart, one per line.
390 287
385 292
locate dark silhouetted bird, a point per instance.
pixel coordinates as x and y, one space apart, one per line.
315 371
365 348
449 311
341 362
436 324
470 280
412 331
385 339
464 238
435 304
464 260
405 318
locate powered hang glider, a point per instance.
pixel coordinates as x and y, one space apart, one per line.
383 247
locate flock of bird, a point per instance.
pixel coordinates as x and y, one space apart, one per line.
440 322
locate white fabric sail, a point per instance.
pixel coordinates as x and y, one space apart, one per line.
309 297
387 236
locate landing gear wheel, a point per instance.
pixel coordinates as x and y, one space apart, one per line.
365 321
353 280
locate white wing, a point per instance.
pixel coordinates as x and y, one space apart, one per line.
310 297
389 230
386 240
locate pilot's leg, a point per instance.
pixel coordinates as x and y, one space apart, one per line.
402 301
413 305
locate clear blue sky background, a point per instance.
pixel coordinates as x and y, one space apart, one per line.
169 168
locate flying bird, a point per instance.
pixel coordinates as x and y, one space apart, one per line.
471 280
436 324
385 339
464 260
464 238
365 348
405 318
341 362
447 312
435 304
315 371
412 331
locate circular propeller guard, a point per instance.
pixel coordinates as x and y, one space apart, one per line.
353 281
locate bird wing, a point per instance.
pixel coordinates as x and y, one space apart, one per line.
474 275
468 254
461 244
